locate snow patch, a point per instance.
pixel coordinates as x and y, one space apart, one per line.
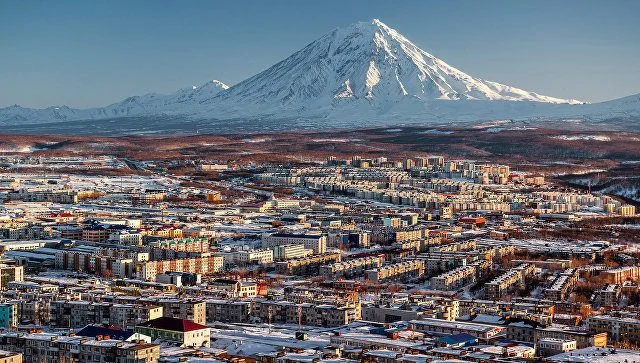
582 137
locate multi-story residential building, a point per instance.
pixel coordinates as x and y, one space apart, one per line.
227 311
259 256
235 288
63 197
76 314
183 244
620 275
126 238
307 265
553 346
627 210
179 279
128 316
288 252
52 348
512 279
10 273
562 285
96 233
402 271
205 265
317 243
618 329
9 314
351 268
186 309
610 295
437 308
348 239
88 262
287 312
532 333
454 279
505 308
10 357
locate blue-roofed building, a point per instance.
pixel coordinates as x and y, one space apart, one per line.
95 331
458 340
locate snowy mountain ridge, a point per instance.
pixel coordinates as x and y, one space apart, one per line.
365 72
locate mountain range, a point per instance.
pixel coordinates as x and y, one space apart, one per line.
365 74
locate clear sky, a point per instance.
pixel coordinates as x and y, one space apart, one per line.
95 52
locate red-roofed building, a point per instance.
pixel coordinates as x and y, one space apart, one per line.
478 221
185 333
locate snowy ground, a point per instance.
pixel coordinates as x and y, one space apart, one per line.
597 355
250 341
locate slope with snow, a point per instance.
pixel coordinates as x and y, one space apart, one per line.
185 102
366 63
365 74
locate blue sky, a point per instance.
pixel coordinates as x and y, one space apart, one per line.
91 53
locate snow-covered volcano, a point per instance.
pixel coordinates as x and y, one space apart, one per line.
364 74
367 61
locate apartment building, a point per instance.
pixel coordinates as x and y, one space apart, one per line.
348 239
76 314
9 314
129 315
10 273
610 295
401 271
186 309
125 238
207 264
52 348
454 279
617 329
96 233
307 265
531 333
504 308
227 311
235 288
552 346
351 268
509 281
317 243
437 308
10 357
627 210
287 312
468 245
62 197
87 262
562 285
254 257
288 252
183 244
620 275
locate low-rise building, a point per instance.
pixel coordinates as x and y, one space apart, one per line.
184 333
